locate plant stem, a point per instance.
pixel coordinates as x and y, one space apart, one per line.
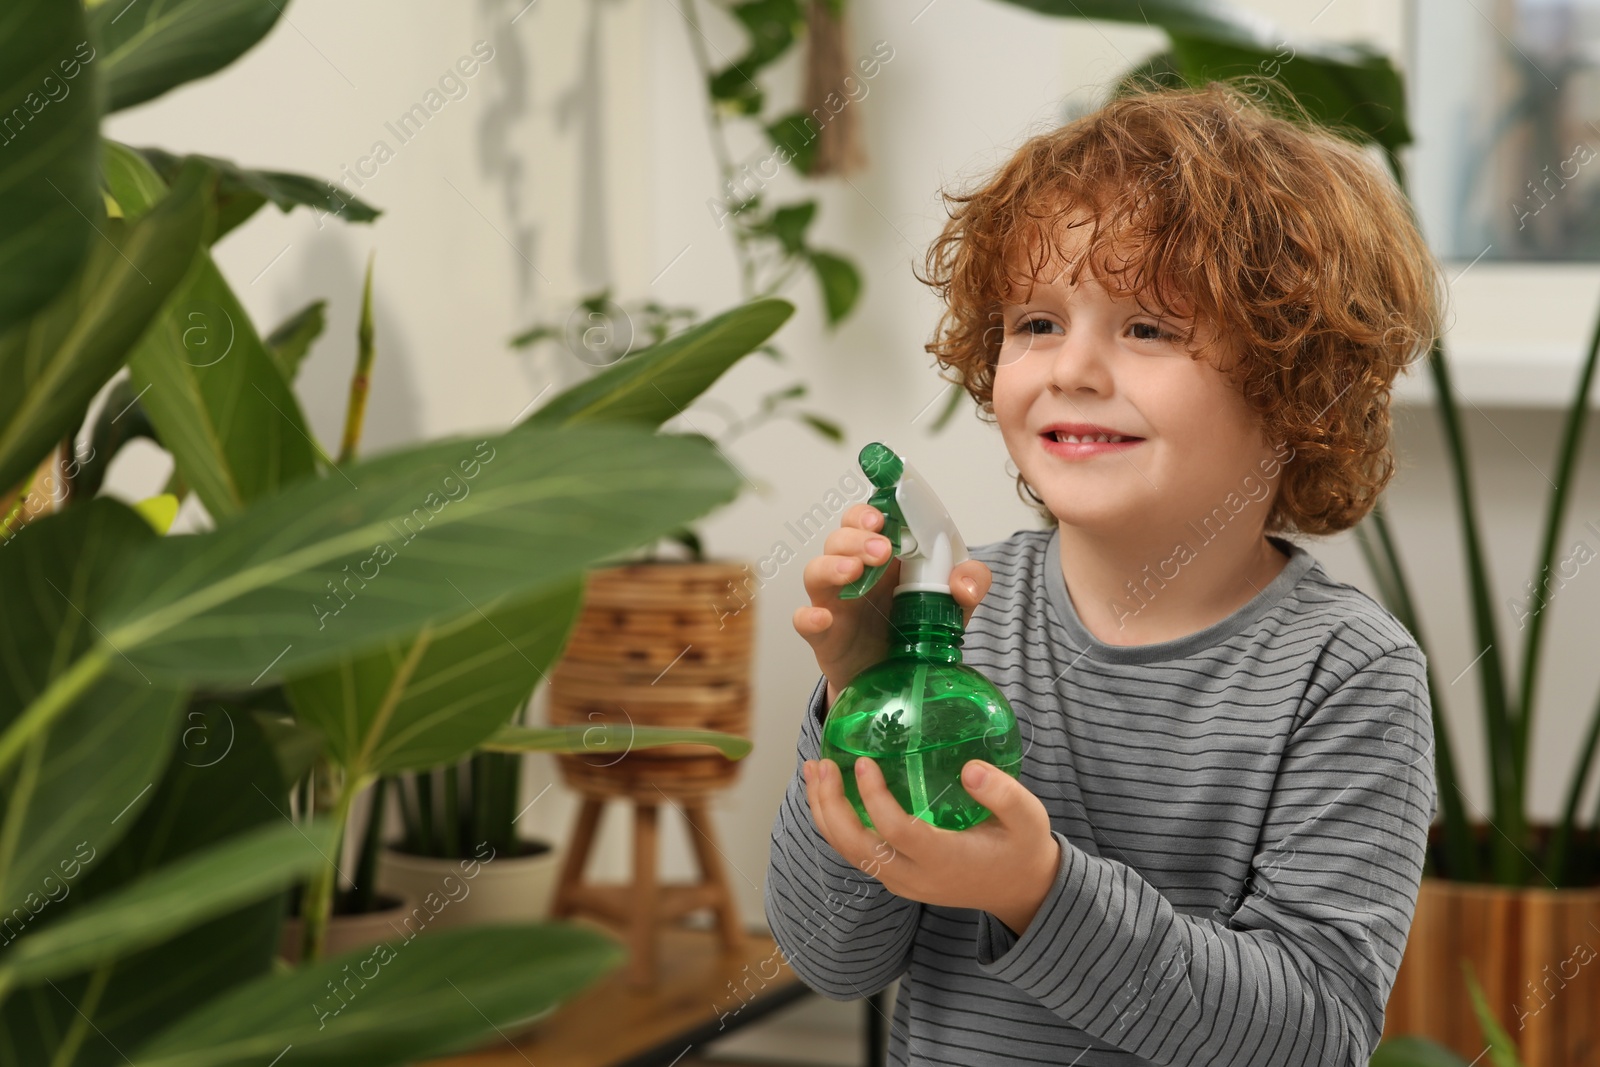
58 696
67 1051
719 144
1391 579
1507 757
316 906
356 409
1567 456
1557 857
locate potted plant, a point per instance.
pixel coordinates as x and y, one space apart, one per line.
136 654
466 814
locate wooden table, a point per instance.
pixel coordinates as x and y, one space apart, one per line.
701 994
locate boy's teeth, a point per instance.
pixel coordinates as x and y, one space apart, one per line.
1075 439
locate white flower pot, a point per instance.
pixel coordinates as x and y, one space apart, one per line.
486 887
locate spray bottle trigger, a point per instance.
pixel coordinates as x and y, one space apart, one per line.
893 528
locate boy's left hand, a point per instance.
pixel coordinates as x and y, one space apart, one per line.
1005 865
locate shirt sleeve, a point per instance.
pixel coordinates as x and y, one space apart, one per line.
840 930
1298 973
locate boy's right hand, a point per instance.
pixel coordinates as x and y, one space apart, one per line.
850 635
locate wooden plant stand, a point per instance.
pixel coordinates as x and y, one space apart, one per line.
639 908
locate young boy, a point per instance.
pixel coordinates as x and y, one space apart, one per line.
1185 314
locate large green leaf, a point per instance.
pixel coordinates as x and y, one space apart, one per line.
430 698
174 898
221 783
49 120
242 191
80 784
404 1001
654 384
206 381
450 521
607 738
217 399
53 364
1342 85
339 564
151 46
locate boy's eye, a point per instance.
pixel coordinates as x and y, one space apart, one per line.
1032 325
1156 333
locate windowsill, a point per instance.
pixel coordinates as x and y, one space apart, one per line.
1517 334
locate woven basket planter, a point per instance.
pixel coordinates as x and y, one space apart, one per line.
657 644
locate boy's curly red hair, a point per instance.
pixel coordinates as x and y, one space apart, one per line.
1288 240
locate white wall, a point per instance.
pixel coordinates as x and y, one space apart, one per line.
580 156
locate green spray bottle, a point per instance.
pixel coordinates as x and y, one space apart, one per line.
921 714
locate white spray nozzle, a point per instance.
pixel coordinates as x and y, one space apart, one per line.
931 545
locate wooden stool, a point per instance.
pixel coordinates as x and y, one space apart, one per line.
637 909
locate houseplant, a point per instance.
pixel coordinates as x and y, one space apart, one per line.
1508 895
129 859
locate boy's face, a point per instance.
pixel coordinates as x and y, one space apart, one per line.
1075 354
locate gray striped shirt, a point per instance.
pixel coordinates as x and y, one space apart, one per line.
1242 815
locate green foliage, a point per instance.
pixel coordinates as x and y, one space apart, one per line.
415 997
1352 88
49 78
1502 1050
54 363
241 191
151 726
840 281
772 26
424 699
63 792
1414 1052
290 341
653 385
150 48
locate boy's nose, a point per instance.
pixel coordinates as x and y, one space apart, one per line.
1078 363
